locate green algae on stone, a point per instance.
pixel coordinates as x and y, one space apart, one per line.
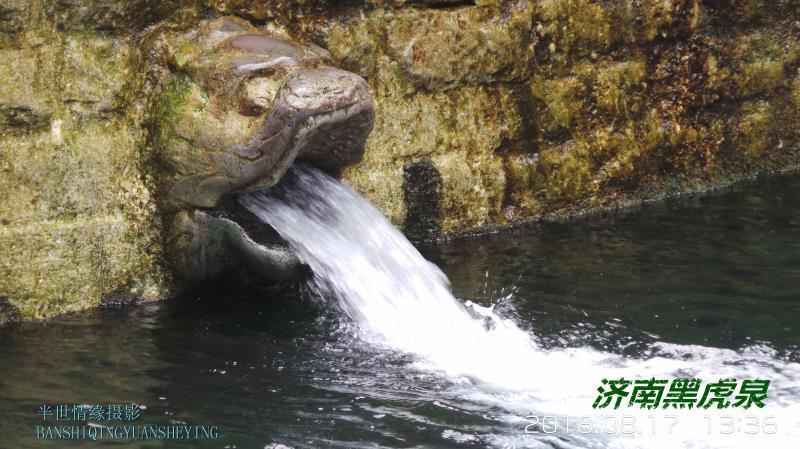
564 172
563 101
577 27
754 132
77 219
440 48
611 115
762 62
616 85
459 130
796 90
382 184
525 109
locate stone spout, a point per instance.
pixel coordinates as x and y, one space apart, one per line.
239 107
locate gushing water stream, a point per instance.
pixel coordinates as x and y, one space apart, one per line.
396 299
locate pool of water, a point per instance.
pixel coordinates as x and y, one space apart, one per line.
710 282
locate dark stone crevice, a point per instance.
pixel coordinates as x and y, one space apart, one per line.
23 118
11 20
259 231
422 189
9 314
444 4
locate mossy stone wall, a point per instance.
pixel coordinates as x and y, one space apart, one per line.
510 109
78 223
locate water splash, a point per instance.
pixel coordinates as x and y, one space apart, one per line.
398 300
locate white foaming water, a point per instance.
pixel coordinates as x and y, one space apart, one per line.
399 300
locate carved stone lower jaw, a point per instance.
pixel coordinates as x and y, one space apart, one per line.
204 246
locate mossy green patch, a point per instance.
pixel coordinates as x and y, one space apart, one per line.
754 132
763 60
563 98
577 27
616 86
